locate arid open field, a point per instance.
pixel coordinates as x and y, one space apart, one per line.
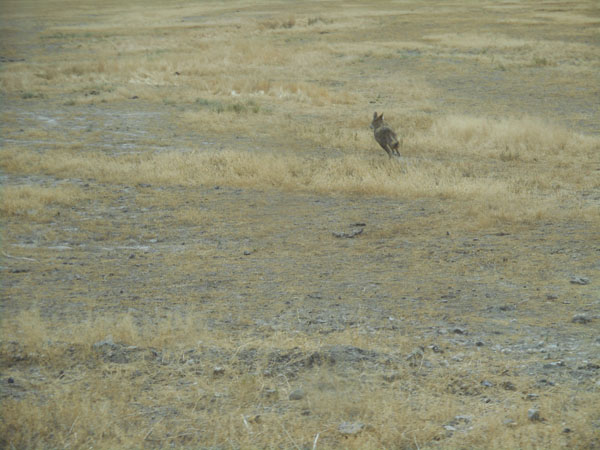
204 247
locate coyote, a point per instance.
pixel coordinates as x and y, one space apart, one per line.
385 136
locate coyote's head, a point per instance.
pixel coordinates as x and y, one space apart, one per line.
377 121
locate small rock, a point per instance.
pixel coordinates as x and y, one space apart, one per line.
458 330
551 297
247 252
589 366
581 318
487 383
509 422
351 428
297 394
567 430
509 386
449 428
534 415
462 418
254 419
479 344
507 308
269 393
580 280
392 376
350 235
415 357
218 371
107 341
532 396
554 364
10 380
458 358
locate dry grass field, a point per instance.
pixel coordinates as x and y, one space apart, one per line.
204 247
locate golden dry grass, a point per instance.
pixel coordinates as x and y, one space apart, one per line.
172 179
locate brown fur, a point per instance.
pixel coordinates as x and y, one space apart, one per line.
385 136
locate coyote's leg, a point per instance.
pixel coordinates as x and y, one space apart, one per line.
386 150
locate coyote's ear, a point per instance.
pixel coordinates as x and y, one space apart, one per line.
381 116
375 115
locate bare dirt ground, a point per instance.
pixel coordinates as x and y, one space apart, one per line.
145 310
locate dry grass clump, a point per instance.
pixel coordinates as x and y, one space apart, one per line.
158 394
545 166
274 23
527 138
34 201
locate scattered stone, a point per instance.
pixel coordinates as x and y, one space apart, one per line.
436 349
554 365
269 393
458 330
551 297
487 383
218 371
392 376
350 235
509 386
567 430
581 318
479 344
532 396
297 394
509 422
507 308
462 418
349 354
589 366
582 281
415 357
247 252
254 419
10 380
449 428
351 428
534 415
107 341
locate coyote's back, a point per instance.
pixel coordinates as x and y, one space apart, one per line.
385 136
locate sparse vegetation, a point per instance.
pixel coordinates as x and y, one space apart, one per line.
204 247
